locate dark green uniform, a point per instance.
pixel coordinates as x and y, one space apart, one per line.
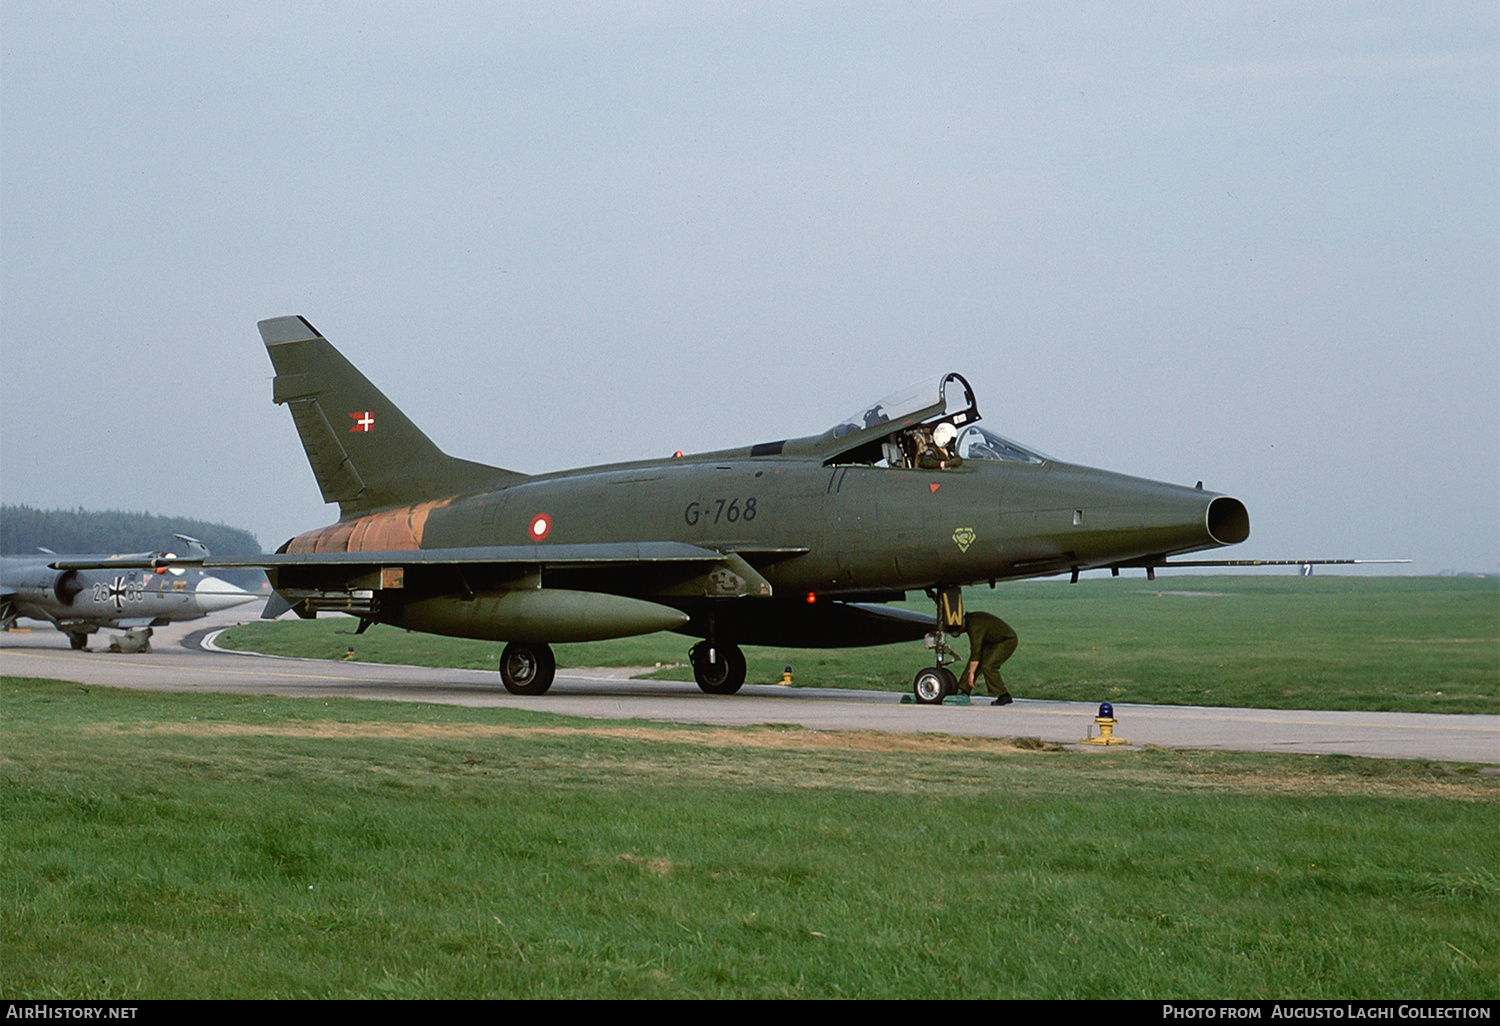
935 457
991 642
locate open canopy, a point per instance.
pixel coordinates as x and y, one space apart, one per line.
947 397
866 435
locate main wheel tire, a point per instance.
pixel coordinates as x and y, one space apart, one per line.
527 669
78 641
932 684
723 676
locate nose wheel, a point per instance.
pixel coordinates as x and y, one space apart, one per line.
932 684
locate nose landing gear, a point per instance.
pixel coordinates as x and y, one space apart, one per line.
932 684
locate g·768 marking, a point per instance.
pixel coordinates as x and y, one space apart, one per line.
711 511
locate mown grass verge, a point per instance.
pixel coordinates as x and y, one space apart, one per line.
191 845
1408 644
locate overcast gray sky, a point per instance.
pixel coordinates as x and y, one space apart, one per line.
1256 244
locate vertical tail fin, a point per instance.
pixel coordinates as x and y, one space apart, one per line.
364 452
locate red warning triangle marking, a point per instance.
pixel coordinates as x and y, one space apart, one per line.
934 487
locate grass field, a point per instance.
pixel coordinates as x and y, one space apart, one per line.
188 845
1409 644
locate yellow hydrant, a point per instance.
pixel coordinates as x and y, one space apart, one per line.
786 675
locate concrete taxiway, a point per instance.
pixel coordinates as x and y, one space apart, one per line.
179 662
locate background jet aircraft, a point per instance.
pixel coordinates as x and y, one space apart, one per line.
111 591
795 542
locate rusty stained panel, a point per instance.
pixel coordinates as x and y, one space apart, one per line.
393 530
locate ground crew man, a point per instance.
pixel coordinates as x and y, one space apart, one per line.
991 642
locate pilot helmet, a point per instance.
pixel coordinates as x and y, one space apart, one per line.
944 433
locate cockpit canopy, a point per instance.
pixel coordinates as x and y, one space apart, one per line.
892 431
926 401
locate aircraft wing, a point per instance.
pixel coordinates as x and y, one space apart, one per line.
607 553
538 555
347 581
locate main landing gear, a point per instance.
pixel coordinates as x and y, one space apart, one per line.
527 669
718 669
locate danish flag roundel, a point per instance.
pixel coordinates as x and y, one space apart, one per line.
541 526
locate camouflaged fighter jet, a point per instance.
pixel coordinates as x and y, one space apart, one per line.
111 591
798 542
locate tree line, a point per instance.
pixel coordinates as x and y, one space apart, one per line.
24 530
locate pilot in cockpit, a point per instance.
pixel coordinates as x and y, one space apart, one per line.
937 452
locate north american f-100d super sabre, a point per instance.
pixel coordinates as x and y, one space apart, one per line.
121 592
796 542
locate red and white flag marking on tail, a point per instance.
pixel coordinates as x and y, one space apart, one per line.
363 422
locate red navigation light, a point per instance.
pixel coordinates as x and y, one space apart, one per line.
811 598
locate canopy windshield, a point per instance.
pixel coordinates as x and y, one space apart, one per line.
978 444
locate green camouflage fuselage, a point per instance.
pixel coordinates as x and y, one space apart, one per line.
793 542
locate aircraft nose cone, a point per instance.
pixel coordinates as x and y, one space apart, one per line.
213 594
